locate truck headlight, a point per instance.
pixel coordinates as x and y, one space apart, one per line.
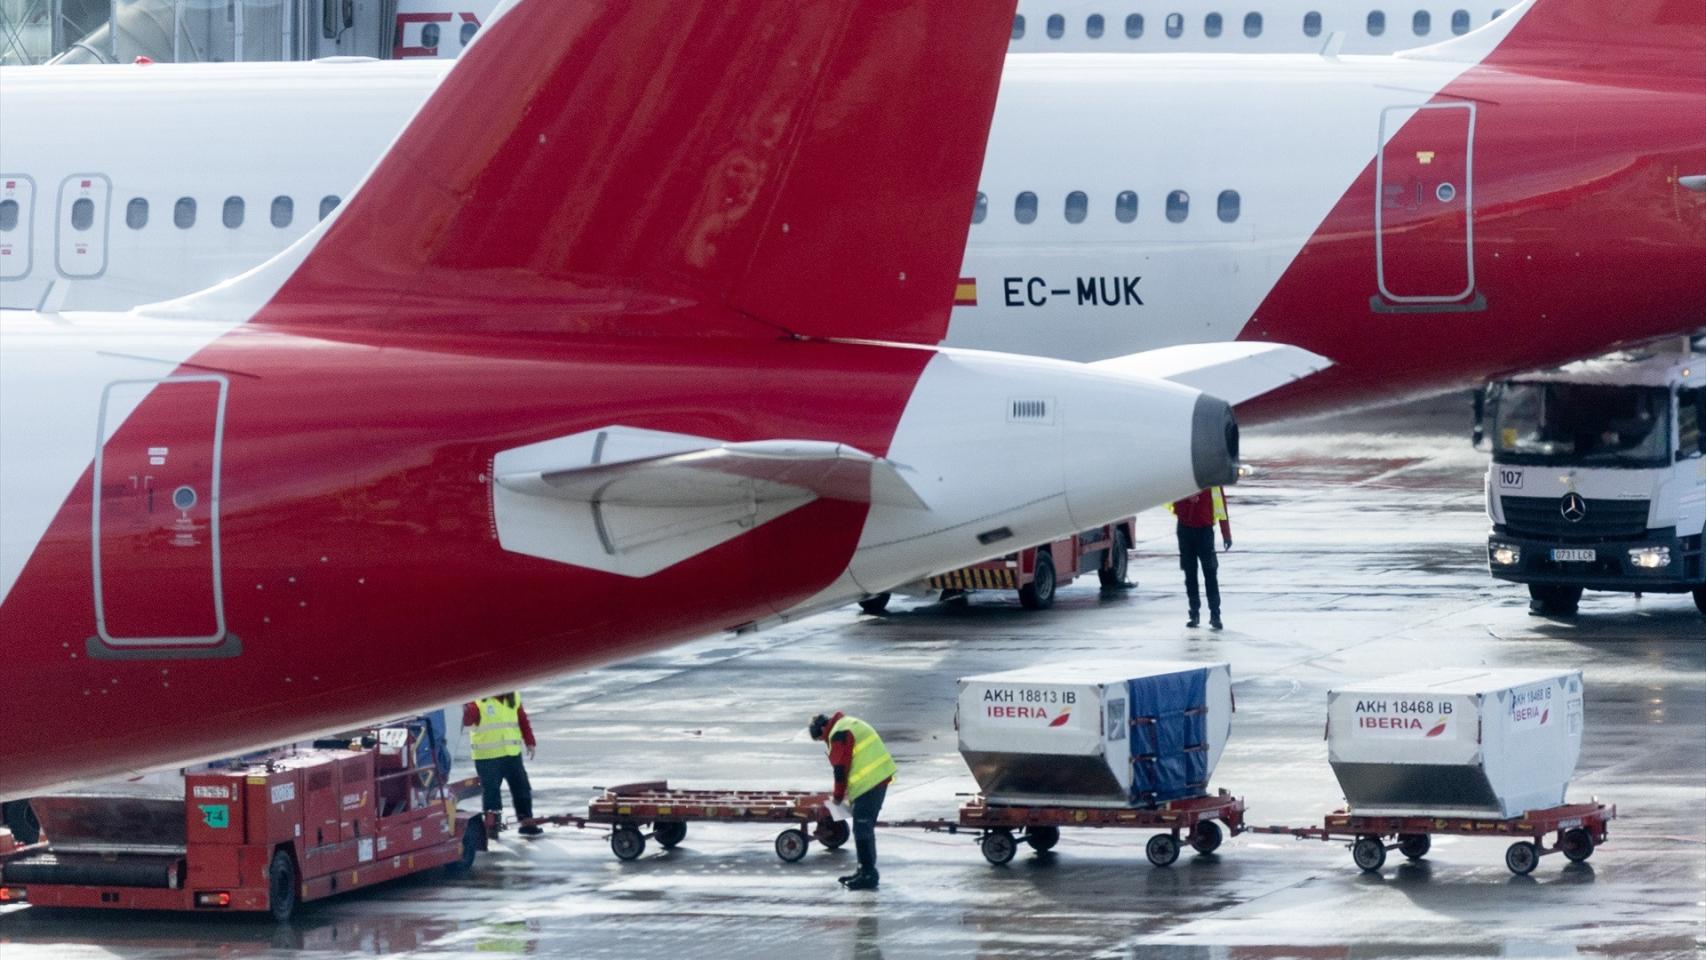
1650 558
1504 554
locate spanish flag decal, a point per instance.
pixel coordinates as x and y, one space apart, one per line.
965 292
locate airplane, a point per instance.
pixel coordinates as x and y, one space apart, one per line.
640 355
1415 218
1287 26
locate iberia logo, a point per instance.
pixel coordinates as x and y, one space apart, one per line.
1437 729
1060 721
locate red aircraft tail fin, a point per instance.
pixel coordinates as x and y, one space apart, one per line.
676 167
1656 39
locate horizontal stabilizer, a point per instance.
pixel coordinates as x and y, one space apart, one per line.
1234 372
732 473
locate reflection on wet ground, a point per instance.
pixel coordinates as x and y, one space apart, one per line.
1357 553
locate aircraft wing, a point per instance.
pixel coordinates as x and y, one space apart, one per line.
1234 372
761 471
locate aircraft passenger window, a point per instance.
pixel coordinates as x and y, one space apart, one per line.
1497 14
980 209
1134 25
1376 23
8 216
283 211
429 35
1077 205
232 215
1018 26
1025 207
328 203
1211 25
1460 22
136 213
1056 26
1422 22
1094 25
1227 206
1178 206
1175 25
1252 25
467 33
1312 24
82 213
183 213
1125 206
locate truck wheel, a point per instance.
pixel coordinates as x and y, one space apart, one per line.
1039 593
282 890
669 833
833 834
998 846
1576 845
1114 574
1369 853
627 842
1700 598
1162 849
1206 837
791 845
1522 857
875 604
1415 846
473 839
1552 600
1042 839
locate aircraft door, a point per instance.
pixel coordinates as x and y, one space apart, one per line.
1424 204
17 216
156 513
81 224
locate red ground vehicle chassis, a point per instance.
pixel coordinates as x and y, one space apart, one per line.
633 808
1576 828
1192 821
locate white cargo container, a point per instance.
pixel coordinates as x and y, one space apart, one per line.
1104 733
1460 742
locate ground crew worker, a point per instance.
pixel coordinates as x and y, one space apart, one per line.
1197 516
500 730
863 771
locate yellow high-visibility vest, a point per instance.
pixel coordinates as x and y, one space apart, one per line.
1219 496
871 761
498 733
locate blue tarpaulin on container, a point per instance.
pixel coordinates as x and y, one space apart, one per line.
1169 742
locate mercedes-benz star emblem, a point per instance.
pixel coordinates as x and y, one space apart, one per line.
1573 507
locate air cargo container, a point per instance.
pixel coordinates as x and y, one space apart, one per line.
1100 734
1463 742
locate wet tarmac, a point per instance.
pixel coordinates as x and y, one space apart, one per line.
1359 551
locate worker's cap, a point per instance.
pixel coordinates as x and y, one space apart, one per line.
819 724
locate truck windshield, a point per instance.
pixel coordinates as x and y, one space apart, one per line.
1586 424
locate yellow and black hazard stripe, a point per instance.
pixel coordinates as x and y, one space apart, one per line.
976 578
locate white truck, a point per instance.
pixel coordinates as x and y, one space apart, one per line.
1598 481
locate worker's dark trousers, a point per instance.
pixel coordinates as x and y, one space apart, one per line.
493 773
866 808
1196 546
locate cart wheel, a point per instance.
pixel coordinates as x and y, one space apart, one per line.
1522 857
627 842
1162 849
1039 593
1042 839
875 604
791 845
833 834
669 833
282 892
1114 574
1369 853
1577 844
998 846
1206 836
473 839
1414 845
